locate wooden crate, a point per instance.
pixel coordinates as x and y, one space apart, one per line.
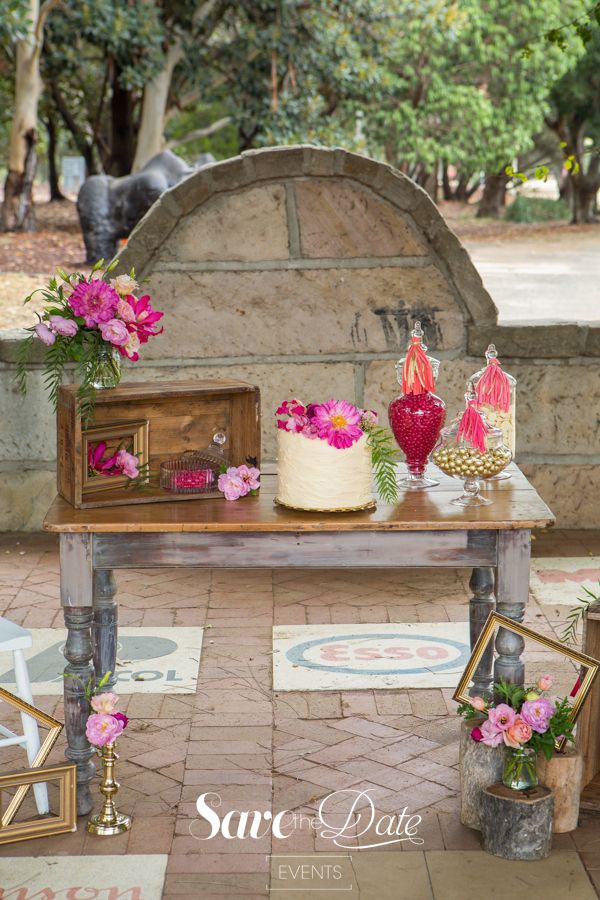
180 415
588 723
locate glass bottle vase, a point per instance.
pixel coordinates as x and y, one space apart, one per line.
104 371
520 769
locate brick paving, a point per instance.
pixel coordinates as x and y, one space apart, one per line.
260 750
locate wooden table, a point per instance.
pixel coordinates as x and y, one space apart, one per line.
424 529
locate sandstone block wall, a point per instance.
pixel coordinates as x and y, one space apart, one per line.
300 270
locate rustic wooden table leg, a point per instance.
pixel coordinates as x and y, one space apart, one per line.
104 630
512 593
481 605
76 597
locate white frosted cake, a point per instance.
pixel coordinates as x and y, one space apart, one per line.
314 475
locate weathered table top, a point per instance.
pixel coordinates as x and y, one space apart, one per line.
516 504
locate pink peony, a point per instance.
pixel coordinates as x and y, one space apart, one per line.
518 733
477 735
250 477
491 736
479 704
538 713
115 332
124 284
44 334
128 464
104 703
95 300
338 423
102 729
502 716
232 485
544 682
63 326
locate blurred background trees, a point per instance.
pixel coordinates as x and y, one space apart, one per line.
452 92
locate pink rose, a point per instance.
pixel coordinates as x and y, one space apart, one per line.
63 326
502 716
104 703
125 311
477 735
232 485
102 729
518 733
491 736
115 332
479 704
44 334
128 463
544 682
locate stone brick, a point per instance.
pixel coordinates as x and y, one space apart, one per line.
244 225
592 344
556 341
571 492
276 162
318 161
339 219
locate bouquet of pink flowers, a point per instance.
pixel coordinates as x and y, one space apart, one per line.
105 724
524 718
342 424
93 321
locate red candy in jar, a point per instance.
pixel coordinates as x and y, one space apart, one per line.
417 415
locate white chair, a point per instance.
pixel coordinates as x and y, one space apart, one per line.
14 639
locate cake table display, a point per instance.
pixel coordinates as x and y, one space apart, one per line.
496 393
327 455
417 415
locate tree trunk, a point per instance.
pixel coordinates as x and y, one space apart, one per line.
122 129
17 210
151 134
583 196
493 197
55 192
85 148
448 193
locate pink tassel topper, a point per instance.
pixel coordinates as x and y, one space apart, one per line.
493 387
473 428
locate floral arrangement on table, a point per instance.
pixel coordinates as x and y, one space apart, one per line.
342 424
525 722
93 321
105 723
239 481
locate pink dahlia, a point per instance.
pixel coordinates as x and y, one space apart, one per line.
338 422
95 300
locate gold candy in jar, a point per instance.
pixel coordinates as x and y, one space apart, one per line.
461 460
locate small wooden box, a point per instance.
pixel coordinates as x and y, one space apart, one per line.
166 418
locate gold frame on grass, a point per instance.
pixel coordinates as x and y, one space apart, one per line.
497 620
136 432
66 820
41 756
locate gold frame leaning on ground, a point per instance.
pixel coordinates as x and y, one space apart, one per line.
40 758
497 620
66 820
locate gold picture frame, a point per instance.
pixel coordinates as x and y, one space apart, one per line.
47 744
497 620
65 821
135 434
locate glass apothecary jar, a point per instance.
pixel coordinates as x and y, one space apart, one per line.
496 394
194 471
471 449
417 415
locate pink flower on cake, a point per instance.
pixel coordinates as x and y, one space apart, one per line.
338 422
104 703
95 300
44 334
114 332
502 716
103 729
369 418
294 413
231 484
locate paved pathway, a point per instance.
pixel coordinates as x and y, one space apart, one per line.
263 751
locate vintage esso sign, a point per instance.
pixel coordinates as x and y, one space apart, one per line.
381 654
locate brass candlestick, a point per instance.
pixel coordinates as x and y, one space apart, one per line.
108 820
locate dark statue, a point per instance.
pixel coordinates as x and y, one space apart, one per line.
109 208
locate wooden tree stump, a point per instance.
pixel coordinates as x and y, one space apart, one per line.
480 766
562 774
517 824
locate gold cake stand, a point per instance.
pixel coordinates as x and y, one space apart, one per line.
370 505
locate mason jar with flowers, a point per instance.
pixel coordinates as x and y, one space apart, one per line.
93 321
525 722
